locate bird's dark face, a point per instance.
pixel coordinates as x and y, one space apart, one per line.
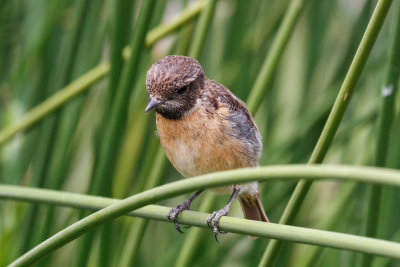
174 84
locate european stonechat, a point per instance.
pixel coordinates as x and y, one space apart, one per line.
203 128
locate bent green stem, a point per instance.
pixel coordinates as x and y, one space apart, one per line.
119 208
267 230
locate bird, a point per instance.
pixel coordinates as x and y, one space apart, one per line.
203 127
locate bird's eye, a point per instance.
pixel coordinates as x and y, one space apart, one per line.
182 90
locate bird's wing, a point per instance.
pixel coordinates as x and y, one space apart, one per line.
239 116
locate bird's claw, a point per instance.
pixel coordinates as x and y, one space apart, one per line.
215 217
174 213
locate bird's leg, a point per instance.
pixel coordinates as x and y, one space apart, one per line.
175 211
216 215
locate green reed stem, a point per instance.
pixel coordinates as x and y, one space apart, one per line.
121 17
231 224
332 124
388 94
129 256
114 126
119 208
271 61
202 29
49 129
346 193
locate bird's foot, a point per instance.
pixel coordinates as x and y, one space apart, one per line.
214 220
216 215
175 211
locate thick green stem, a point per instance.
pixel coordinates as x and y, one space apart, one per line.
113 128
49 131
202 29
131 249
121 20
333 122
271 61
241 226
119 208
388 93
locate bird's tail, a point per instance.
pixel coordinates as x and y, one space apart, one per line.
253 208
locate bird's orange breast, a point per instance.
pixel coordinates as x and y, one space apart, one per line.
203 142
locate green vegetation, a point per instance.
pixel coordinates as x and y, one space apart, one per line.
319 76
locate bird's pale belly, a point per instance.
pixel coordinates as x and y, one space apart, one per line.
202 146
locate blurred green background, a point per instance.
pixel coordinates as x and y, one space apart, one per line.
100 142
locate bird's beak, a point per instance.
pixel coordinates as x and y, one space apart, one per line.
153 102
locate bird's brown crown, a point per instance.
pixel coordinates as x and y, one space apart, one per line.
171 73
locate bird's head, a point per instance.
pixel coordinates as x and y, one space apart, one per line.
174 84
